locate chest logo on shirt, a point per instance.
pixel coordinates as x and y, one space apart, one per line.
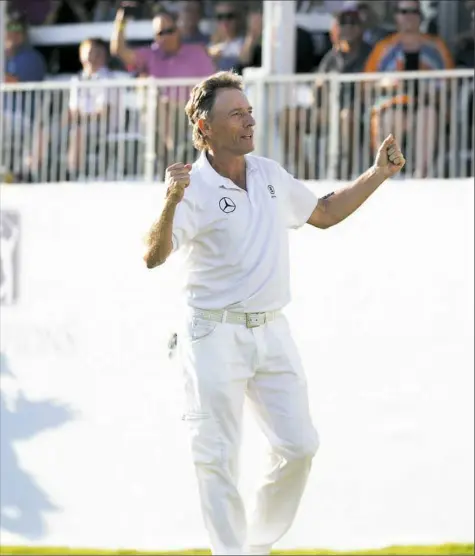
272 191
227 205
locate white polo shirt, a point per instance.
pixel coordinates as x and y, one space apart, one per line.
236 241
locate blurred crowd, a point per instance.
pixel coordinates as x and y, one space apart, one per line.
357 43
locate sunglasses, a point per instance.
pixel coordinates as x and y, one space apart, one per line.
225 16
407 11
166 32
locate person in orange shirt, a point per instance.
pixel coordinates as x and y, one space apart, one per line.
410 106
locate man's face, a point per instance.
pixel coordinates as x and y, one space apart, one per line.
231 125
189 15
350 27
408 16
92 55
15 36
227 19
166 33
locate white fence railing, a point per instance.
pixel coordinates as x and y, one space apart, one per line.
317 126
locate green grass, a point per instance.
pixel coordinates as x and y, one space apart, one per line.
446 549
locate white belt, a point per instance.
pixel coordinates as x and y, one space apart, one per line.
251 320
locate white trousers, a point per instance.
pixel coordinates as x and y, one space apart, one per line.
222 363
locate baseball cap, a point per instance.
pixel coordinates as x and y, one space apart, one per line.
16 21
349 8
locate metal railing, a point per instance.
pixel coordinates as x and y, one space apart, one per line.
318 126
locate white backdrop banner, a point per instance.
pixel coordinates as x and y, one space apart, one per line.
93 449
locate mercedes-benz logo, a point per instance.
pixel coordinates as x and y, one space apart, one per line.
227 205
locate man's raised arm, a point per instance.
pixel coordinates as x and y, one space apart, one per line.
159 240
335 207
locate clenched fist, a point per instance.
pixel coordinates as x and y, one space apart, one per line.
177 178
389 158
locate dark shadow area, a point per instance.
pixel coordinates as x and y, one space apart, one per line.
23 502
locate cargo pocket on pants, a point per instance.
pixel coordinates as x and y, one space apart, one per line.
206 444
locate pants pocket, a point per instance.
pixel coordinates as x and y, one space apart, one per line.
206 445
201 328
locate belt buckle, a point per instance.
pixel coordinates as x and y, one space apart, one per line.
253 320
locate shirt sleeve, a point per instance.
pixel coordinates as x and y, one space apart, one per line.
300 201
184 223
29 66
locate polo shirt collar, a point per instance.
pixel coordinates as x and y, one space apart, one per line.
210 174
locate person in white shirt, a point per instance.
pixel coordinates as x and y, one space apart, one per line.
92 110
230 212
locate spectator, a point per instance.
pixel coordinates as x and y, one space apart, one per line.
251 52
166 57
373 31
91 115
350 51
348 55
228 39
408 50
23 62
189 17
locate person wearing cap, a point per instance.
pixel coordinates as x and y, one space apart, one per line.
348 55
23 62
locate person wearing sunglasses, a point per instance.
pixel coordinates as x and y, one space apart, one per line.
228 39
406 106
167 56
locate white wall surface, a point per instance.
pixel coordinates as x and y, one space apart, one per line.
93 449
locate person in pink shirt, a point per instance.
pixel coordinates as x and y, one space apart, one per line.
166 57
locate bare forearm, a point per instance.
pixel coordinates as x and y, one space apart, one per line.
118 45
247 50
339 205
159 243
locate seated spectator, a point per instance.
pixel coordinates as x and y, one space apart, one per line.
251 51
189 17
405 103
373 31
91 114
228 39
166 57
23 62
348 55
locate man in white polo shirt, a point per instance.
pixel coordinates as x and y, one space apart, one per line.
230 213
